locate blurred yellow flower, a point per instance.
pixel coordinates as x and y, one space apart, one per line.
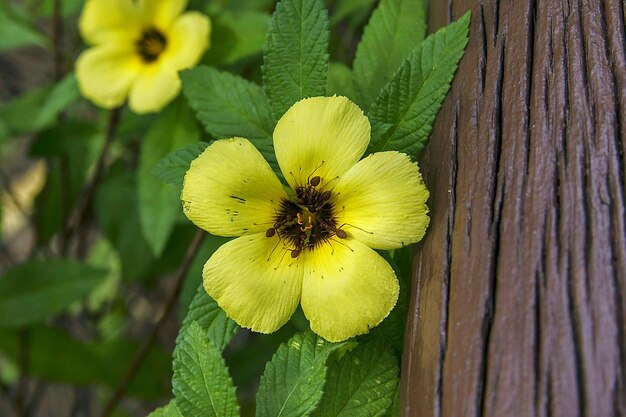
313 244
138 48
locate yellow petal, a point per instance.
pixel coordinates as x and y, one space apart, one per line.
347 289
230 190
382 201
105 74
161 13
254 282
320 136
187 39
104 21
155 87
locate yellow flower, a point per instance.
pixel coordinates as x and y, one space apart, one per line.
138 49
313 243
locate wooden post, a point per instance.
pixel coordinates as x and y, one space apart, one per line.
518 302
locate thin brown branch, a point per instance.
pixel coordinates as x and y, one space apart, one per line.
143 351
57 35
79 217
24 364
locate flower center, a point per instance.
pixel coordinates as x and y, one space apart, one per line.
308 221
151 44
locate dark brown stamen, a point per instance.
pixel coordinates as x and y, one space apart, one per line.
315 181
151 44
270 232
341 234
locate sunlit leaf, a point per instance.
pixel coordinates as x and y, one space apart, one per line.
295 58
404 113
394 30
171 169
201 382
230 106
292 383
362 384
211 318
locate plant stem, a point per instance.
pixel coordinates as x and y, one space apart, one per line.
78 219
143 351
57 35
24 362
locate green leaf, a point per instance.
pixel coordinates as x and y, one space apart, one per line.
118 217
68 7
295 58
340 80
211 318
362 384
230 106
93 362
229 43
201 382
103 255
170 410
354 10
17 114
159 203
37 109
172 168
394 30
16 31
72 148
292 383
404 113
31 292
61 95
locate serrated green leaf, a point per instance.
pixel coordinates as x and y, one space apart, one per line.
170 410
362 384
292 383
159 205
172 168
394 410
295 58
394 30
229 43
31 292
230 106
404 113
205 311
201 382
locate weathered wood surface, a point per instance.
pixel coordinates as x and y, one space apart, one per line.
518 303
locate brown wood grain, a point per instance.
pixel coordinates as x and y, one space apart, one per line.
518 298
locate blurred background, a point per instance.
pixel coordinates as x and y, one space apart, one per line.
51 139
